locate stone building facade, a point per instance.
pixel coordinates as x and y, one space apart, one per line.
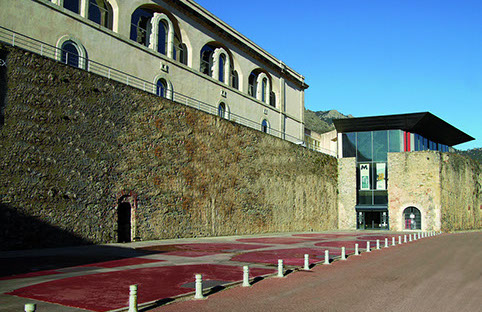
178 47
397 173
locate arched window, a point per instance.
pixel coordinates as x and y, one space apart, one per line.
161 89
235 80
222 110
72 5
70 54
141 26
264 84
412 218
264 126
252 84
222 64
206 60
162 37
272 99
100 12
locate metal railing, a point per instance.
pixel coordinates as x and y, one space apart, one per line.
16 39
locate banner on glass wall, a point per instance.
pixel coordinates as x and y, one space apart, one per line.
364 177
381 178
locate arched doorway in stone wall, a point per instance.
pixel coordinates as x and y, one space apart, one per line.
126 210
412 218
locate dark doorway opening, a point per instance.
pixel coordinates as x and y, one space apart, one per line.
372 220
124 222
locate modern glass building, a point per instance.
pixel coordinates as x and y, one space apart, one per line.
370 139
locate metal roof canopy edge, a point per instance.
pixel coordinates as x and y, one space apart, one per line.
425 124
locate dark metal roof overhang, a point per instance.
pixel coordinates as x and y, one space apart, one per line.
425 124
371 207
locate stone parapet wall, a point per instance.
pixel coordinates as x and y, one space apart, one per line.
347 193
414 181
445 187
73 143
461 193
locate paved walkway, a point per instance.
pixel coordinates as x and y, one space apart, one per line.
97 278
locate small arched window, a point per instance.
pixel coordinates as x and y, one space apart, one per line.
206 60
222 65
100 12
412 218
252 84
161 89
72 5
222 110
70 54
235 79
264 126
264 85
162 37
272 99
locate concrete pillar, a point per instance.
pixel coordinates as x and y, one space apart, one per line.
343 254
404 238
280 268
399 240
246 276
357 253
307 263
378 244
386 242
368 246
199 287
393 241
410 237
132 298
327 257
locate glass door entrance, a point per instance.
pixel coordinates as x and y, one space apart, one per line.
372 220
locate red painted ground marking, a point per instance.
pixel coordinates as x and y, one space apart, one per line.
289 256
214 247
120 263
31 274
276 240
339 244
191 254
381 238
108 291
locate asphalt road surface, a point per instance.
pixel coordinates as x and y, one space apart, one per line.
442 273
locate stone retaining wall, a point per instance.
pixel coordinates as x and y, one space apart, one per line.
73 145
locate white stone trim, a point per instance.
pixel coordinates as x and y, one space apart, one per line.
79 46
218 52
153 38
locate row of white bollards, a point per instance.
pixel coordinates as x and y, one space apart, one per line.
133 306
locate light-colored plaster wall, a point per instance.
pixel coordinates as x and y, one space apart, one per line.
414 181
118 51
347 193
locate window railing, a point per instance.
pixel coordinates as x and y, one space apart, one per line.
44 49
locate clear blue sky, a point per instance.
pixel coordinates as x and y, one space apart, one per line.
375 57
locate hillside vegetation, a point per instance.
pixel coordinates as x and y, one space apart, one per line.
322 121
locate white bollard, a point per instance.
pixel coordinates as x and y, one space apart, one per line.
404 238
343 254
368 246
199 287
30 307
415 236
132 298
307 263
280 268
399 240
410 237
357 253
246 276
378 244
327 257
393 241
386 242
